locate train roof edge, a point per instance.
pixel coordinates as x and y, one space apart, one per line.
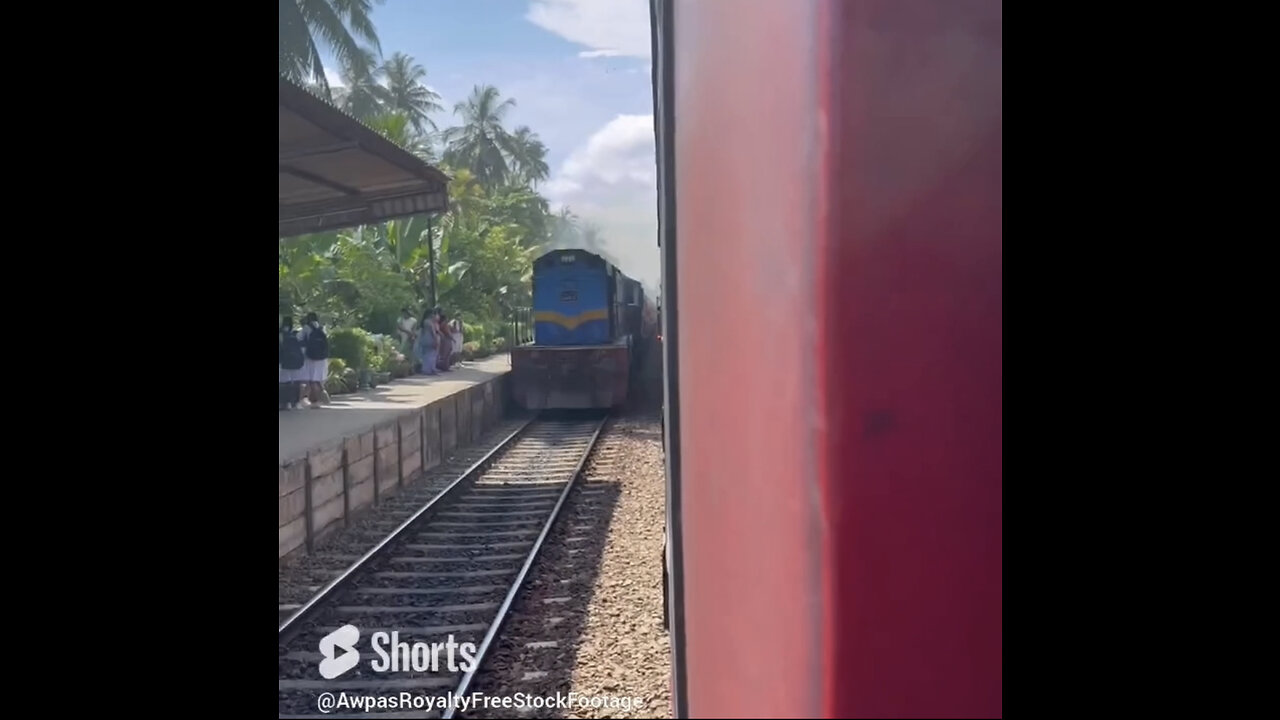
598 256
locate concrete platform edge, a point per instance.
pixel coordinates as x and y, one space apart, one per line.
323 489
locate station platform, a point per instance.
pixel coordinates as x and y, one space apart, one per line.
339 458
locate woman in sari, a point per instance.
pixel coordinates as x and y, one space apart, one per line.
446 343
428 343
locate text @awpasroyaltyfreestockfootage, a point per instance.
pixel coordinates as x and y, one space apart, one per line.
330 702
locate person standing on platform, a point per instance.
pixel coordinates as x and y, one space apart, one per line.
408 339
292 361
428 343
316 369
446 343
318 359
455 333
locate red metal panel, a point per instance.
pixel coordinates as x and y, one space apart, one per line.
839 176
914 484
745 147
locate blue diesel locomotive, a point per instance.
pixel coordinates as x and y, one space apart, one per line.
590 324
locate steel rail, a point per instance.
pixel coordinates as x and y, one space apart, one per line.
290 626
465 683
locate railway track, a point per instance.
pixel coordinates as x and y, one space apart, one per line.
446 576
305 576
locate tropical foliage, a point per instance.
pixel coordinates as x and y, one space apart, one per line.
359 279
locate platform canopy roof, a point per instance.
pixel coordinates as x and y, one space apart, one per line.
335 172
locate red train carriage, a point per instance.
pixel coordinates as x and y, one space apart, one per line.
835 488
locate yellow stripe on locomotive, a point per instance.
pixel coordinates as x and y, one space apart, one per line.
570 322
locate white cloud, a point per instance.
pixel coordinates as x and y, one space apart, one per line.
610 28
334 79
620 151
611 181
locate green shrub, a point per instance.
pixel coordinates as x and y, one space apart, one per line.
383 319
353 346
341 378
335 385
472 333
495 330
393 363
499 344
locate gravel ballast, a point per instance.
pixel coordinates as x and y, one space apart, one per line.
588 623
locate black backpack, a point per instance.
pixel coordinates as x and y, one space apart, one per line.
317 344
291 357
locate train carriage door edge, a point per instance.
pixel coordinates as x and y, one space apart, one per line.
663 77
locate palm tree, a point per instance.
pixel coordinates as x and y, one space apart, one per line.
481 144
395 125
360 93
337 23
529 156
405 92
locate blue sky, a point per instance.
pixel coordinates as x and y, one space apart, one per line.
579 73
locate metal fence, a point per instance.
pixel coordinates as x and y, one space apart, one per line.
520 327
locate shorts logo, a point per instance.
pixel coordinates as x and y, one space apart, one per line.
344 638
